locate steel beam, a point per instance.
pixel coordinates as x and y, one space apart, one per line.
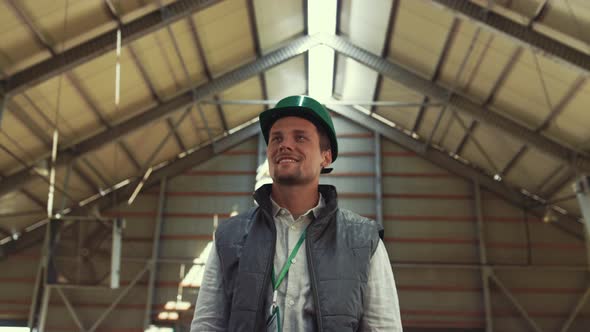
153 262
483 258
180 165
256 39
44 41
378 179
386 46
39 132
101 44
70 309
581 302
559 184
521 33
181 101
111 11
444 160
442 57
563 102
207 70
118 299
515 303
458 102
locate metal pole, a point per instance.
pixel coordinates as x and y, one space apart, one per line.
153 262
116 252
581 303
43 271
483 258
41 279
582 190
118 299
378 179
44 305
515 302
70 309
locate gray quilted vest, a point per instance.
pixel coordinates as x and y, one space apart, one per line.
339 247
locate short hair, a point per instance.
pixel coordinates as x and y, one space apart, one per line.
324 139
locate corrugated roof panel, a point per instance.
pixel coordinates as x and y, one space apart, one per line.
132 9
145 141
85 165
568 22
85 19
225 36
157 66
571 205
419 35
364 25
48 95
499 148
12 203
17 138
239 114
522 95
19 47
39 116
531 169
185 40
288 78
393 91
112 163
212 120
169 58
357 82
572 124
97 79
490 58
274 27
190 135
74 186
450 130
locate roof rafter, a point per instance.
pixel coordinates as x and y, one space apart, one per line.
194 158
101 44
452 165
522 33
459 103
181 101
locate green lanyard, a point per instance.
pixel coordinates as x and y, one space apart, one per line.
276 283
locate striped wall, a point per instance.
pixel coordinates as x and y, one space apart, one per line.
429 217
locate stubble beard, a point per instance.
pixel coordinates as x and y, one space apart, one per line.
290 179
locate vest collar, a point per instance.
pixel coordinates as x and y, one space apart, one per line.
262 197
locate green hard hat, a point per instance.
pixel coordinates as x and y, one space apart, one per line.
304 107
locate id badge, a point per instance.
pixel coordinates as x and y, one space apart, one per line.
272 323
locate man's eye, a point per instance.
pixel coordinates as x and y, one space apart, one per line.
275 139
300 138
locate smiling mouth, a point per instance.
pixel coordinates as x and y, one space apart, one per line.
286 160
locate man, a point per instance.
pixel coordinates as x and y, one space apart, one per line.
297 262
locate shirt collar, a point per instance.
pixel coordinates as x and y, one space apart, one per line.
315 210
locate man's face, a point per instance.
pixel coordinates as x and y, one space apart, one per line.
293 152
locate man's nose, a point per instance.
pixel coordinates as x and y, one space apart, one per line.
285 144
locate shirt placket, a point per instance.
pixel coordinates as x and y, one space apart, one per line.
293 290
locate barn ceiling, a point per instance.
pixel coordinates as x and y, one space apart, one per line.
493 90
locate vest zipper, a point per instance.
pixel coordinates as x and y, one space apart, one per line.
268 270
314 288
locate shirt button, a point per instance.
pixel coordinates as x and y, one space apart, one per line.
293 227
291 302
294 260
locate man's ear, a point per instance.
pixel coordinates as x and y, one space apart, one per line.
326 158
